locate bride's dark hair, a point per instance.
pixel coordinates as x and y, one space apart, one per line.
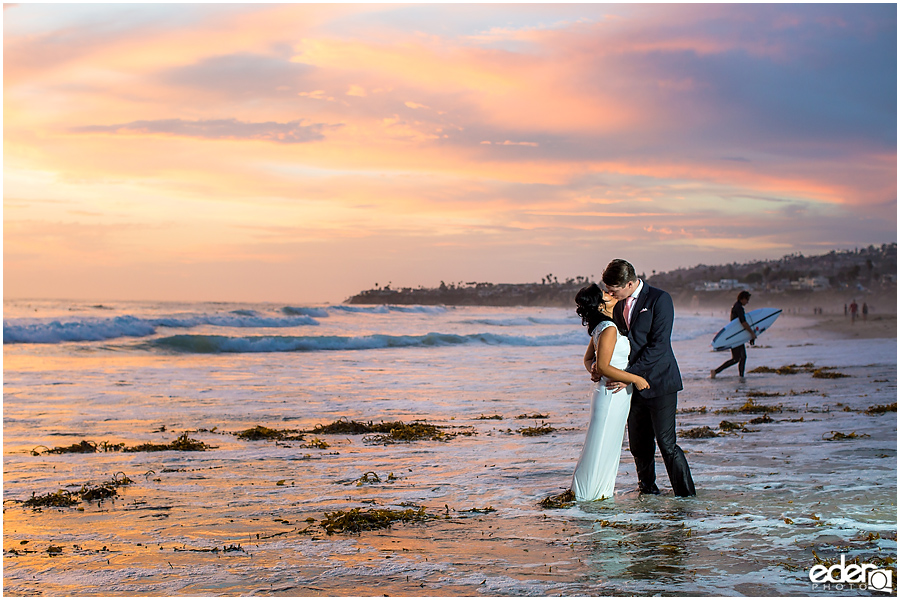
589 301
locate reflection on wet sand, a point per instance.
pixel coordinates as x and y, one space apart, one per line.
244 517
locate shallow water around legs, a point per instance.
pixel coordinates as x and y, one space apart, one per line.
234 520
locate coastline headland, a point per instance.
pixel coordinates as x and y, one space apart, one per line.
801 284
801 302
480 294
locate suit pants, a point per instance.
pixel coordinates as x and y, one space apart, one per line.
653 420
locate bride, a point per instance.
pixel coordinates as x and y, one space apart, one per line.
605 359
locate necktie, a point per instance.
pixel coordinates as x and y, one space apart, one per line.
629 302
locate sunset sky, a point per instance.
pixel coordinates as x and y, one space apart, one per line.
301 153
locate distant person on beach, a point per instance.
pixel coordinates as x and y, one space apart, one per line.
854 308
738 353
647 314
605 359
865 312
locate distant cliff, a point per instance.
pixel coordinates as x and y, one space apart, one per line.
869 269
873 267
477 294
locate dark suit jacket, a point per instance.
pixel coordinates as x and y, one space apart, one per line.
651 341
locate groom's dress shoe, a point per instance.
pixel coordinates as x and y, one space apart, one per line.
648 489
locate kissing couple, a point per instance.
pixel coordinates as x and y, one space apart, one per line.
637 381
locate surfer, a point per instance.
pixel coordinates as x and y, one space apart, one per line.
738 353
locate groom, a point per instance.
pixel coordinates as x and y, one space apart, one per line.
647 313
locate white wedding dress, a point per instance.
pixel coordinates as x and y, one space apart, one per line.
595 473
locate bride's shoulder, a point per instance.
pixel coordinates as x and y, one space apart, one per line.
603 325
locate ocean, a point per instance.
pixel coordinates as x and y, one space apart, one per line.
812 480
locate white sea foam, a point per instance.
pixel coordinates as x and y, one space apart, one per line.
561 329
383 309
379 309
234 319
35 331
520 321
206 344
689 327
54 332
319 313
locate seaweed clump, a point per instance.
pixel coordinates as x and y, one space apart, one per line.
542 429
837 436
264 433
729 426
57 499
763 419
374 478
356 520
880 409
389 432
561 500
343 426
820 373
751 407
786 369
317 443
82 447
104 490
65 498
182 444
392 433
699 433
825 373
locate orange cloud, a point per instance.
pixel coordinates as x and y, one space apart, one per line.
263 132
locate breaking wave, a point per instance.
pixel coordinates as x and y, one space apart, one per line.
97 329
318 313
55 332
383 309
212 344
521 321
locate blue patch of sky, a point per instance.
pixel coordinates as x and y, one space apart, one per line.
837 103
838 78
826 88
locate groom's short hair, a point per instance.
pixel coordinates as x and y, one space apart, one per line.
618 273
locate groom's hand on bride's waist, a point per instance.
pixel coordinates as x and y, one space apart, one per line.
616 386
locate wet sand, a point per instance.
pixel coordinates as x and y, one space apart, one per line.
840 327
236 520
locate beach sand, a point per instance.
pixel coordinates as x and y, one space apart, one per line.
245 518
839 327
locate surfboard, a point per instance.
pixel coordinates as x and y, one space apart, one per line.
734 334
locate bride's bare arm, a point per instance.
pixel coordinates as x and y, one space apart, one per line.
605 346
590 355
